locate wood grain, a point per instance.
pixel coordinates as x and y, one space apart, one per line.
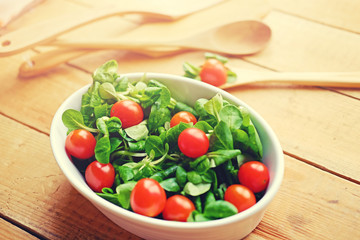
39 197
341 14
9 231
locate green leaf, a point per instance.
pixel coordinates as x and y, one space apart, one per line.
138 132
204 126
126 173
73 120
191 71
123 192
106 72
107 92
222 156
222 138
214 105
196 189
200 164
102 150
158 117
194 177
170 185
154 143
181 176
180 106
222 59
220 209
231 116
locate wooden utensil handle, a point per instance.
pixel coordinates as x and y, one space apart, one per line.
324 79
27 37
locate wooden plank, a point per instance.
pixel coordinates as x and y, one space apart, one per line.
311 204
39 197
9 231
35 101
302 45
342 14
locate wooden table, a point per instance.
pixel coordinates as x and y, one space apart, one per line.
319 128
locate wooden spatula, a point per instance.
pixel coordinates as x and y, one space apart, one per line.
45 31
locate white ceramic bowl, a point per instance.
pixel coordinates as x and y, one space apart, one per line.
234 227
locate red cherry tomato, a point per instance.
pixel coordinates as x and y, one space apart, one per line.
240 196
254 175
178 208
193 142
213 72
182 116
148 198
99 175
129 112
80 143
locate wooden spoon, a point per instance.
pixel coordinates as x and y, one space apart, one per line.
237 38
45 31
323 79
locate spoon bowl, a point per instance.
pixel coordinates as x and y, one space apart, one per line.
237 38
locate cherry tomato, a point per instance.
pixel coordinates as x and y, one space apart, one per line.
193 142
178 208
213 72
99 175
241 196
129 112
182 116
148 198
80 143
254 175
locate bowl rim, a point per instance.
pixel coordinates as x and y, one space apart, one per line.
131 216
